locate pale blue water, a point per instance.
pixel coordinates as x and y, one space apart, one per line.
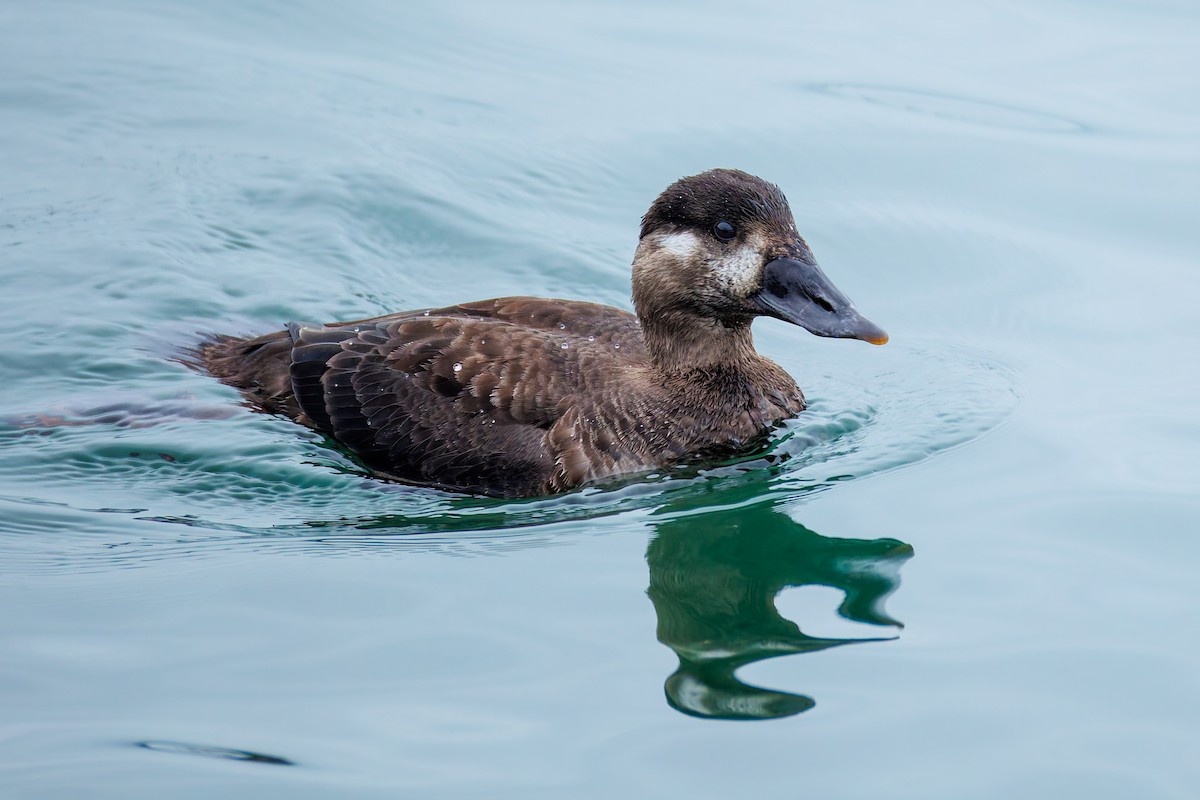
1010 189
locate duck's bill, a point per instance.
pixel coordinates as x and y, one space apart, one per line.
799 293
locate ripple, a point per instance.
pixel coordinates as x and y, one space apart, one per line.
253 481
946 106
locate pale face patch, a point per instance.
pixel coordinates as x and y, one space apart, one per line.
683 244
737 272
740 271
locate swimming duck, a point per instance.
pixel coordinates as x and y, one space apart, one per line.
524 396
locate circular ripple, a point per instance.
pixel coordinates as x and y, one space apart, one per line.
264 482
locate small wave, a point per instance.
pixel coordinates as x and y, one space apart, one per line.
258 481
946 106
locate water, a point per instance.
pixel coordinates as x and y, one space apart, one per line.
968 571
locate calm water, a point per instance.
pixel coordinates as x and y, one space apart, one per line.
969 571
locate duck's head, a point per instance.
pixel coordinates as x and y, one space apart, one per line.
721 248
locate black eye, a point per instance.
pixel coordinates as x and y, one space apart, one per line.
724 231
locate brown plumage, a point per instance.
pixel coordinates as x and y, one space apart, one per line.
523 396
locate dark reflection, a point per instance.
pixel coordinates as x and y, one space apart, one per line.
210 751
714 576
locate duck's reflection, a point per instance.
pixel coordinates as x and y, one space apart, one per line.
714 577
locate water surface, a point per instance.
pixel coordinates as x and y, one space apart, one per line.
967 571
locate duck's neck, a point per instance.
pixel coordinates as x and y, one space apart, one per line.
680 342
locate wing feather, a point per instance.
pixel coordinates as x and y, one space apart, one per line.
461 397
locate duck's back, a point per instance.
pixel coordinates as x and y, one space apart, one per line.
466 397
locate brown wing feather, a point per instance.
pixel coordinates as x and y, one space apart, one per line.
461 397
393 396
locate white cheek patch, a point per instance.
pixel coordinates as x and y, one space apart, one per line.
740 272
684 244
737 272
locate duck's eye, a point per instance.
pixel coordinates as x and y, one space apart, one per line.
724 231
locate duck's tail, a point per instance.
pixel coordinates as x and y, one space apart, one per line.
258 366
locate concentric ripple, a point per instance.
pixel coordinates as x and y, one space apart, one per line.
218 474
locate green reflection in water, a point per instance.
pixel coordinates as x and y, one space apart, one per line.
714 576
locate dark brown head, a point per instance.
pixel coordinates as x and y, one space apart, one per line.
720 248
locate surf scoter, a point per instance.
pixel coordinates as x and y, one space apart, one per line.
523 396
